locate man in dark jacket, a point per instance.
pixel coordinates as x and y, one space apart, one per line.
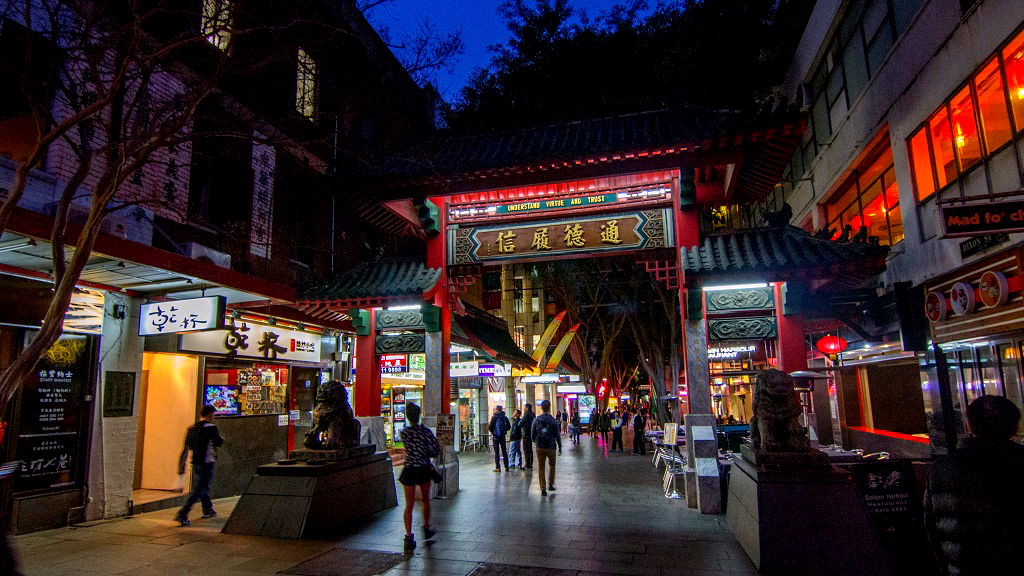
639 425
202 439
546 435
527 425
974 503
515 441
499 427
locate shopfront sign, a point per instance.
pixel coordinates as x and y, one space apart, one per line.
728 352
600 233
394 363
961 298
486 370
979 219
572 389
994 288
464 369
935 306
176 316
242 339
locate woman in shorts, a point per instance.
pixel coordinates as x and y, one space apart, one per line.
420 446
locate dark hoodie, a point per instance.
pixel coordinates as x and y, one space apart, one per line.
499 425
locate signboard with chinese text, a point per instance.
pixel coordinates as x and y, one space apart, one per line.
53 416
393 363
173 316
244 339
446 429
639 230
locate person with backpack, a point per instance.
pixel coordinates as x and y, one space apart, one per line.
574 428
547 437
515 437
527 426
499 427
202 439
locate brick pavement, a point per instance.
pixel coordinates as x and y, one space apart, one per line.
608 517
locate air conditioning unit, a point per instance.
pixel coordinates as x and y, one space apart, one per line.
202 253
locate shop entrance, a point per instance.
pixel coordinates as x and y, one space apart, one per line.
167 407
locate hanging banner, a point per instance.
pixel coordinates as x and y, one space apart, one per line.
545 338
563 345
639 230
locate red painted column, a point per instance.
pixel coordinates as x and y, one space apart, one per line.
792 350
687 235
367 394
437 257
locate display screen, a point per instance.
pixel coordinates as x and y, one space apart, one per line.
223 398
586 404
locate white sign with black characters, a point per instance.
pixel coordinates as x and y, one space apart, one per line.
175 316
244 339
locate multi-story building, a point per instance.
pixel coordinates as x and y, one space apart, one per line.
915 117
243 206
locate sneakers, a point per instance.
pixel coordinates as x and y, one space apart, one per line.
497 469
210 514
543 492
410 543
551 488
428 532
182 520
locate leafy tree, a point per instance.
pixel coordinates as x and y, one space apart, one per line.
560 65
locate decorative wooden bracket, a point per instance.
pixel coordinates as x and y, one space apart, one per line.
664 271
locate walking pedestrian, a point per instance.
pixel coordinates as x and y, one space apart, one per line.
973 503
515 438
527 426
604 424
545 435
574 428
499 427
565 422
639 425
420 446
617 422
202 439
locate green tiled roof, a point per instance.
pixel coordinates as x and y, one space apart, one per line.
782 250
378 279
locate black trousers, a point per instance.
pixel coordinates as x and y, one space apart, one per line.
638 442
528 451
616 438
500 452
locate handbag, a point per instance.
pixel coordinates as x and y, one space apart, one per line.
435 474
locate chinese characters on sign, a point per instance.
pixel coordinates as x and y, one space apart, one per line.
263 168
242 339
622 231
175 316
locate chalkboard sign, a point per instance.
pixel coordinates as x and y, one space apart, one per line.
118 394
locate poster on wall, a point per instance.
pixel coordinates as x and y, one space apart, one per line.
586 404
51 416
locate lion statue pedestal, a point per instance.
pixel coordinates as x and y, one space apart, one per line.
322 487
790 509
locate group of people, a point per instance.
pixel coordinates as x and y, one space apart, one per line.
615 421
515 441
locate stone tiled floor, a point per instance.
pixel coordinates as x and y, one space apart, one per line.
608 517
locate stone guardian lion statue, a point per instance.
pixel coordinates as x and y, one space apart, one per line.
775 426
334 424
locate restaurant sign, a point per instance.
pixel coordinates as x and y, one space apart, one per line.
638 230
246 340
394 363
977 219
173 316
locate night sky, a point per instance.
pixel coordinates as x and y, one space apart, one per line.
478 19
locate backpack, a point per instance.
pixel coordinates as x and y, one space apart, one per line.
501 425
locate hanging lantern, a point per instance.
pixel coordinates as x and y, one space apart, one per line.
830 345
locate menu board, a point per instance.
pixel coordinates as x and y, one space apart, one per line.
264 390
51 416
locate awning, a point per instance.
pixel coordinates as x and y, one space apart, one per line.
372 284
479 329
772 254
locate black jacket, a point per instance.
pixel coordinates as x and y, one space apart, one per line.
198 439
493 426
517 430
974 507
527 424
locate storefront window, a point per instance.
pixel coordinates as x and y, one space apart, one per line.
237 389
995 121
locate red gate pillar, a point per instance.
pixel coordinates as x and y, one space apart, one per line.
437 258
792 349
367 393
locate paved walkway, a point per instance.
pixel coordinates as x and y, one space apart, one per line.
608 517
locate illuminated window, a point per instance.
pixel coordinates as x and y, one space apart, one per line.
1013 63
216 18
869 199
305 91
995 121
965 130
924 178
942 147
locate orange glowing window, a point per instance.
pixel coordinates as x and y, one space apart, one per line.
942 147
921 161
869 200
965 129
995 121
1013 63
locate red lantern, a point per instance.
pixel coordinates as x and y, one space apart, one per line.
830 345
